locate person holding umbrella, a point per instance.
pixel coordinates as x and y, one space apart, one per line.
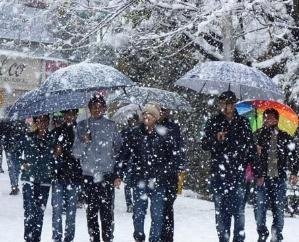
277 152
67 177
97 145
230 141
36 167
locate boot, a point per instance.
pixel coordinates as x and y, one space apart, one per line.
130 209
14 190
263 237
263 234
1 170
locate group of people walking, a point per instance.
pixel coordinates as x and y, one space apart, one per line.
92 157
271 152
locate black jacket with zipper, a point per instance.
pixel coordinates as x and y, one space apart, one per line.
286 153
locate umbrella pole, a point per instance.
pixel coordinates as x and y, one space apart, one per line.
86 114
256 116
241 98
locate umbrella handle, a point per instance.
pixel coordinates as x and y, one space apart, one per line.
256 116
125 91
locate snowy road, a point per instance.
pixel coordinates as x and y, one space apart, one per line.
194 220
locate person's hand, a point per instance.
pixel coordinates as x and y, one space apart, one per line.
260 181
259 149
221 136
25 166
57 151
87 138
117 183
293 180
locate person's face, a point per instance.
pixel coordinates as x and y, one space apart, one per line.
227 108
132 122
42 123
96 109
70 116
270 120
165 113
149 120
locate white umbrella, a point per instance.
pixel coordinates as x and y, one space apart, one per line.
124 113
68 88
143 95
216 77
85 76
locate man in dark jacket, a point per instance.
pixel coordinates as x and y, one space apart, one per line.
13 133
36 177
67 177
171 129
230 141
277 152
97 147
154 163
132 122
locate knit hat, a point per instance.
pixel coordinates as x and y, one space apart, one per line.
153 109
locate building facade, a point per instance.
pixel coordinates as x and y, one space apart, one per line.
25 57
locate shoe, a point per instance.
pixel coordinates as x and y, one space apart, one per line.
263 237
79 205
14 191
263 234
130 209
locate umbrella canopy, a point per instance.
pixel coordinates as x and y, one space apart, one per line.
122 115
216 77
68 88
85 76
143 95
253 110
35 102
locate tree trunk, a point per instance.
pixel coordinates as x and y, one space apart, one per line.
296 10
228 41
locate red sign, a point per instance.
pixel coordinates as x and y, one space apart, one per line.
52 66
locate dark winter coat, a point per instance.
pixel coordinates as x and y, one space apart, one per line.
152 156
174 132
38 159
12 133
127 172
229 157
66 167
285 151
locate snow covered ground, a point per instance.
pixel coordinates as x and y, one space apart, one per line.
194 220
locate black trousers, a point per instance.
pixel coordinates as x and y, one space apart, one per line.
100 200
168 226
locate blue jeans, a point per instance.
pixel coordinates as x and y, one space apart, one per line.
13 169
35 199
230 203
69 192
272 194
140 204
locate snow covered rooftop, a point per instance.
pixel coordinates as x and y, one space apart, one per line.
19 22
30 54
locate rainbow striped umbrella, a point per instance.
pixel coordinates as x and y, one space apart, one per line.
253 110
